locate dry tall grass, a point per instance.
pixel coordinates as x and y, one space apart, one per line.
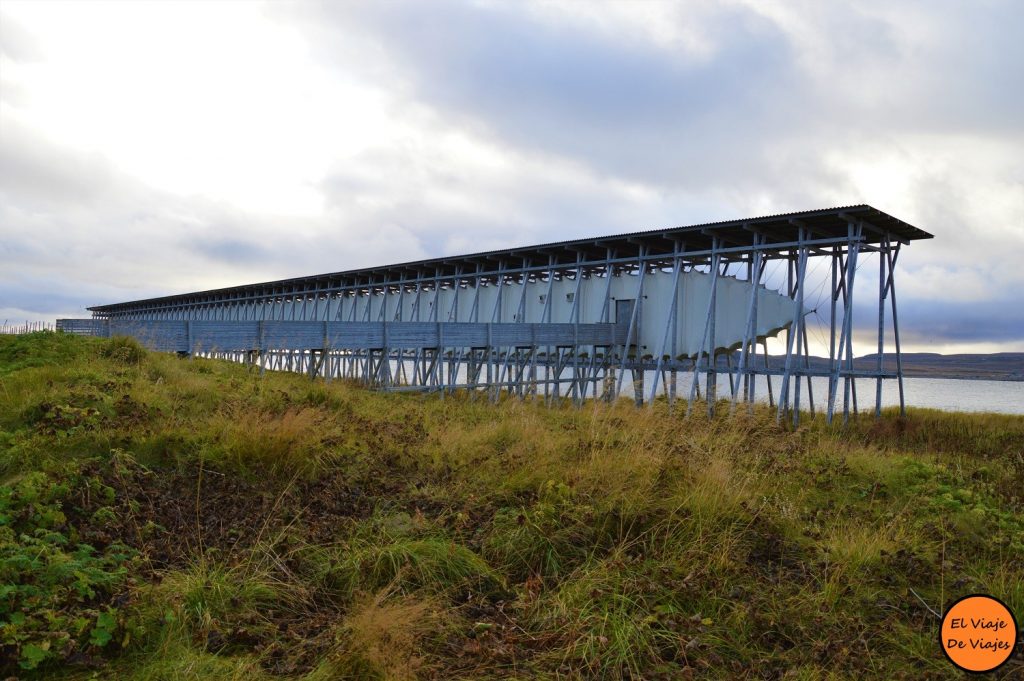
411 537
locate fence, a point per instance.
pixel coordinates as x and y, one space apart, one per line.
25 327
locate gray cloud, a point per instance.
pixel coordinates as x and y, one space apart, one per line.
993 321
626 108
36 174
766 112
586 128
75 232
630 107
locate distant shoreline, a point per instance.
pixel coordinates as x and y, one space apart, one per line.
962 377
1002 366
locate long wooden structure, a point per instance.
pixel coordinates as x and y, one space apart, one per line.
568 319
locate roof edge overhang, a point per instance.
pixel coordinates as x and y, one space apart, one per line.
825 221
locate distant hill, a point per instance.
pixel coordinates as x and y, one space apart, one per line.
1000 366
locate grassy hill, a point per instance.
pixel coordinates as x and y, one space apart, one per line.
162 518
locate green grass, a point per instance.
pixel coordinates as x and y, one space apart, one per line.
165 518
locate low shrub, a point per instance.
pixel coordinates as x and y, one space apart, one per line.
125 350
57 595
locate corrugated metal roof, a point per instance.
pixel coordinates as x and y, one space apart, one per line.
824 223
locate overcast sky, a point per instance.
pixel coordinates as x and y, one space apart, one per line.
155 148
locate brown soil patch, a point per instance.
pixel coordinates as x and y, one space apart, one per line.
170 515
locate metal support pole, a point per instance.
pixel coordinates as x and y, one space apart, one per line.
711 382
707 326
669 326
574 316
795 330
632 322
846 333
891 257
883 247
750 330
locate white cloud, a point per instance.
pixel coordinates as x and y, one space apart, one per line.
194 98
153 147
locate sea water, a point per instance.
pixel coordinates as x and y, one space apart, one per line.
1004 397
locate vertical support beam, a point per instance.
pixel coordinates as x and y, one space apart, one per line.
521 308
882 248
439 365
472 368
837 265
711 381
500 283
674 351
453 309
807 366
316 303
545 316
632 320
474 311
669 326
767 375
801 275
845 336
368 295
453 316
891 257
262 346
520 318
606 393
492 356
488 358
578 387
414 313
753 341
750 330
707 326
431 375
